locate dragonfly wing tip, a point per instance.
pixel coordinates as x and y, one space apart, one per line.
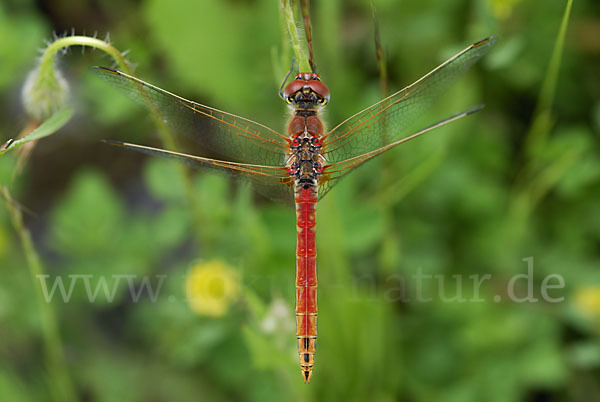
489 41
474 109
113 142
99 70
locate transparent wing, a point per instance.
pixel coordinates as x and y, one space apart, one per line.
232 136
336 170
386 121
272 181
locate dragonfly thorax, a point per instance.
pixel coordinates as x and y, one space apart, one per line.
306 95
305 161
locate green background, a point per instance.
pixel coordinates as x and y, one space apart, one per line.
468 199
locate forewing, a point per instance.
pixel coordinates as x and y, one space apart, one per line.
231 136
386 121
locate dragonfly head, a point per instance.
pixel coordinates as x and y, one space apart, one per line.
306 91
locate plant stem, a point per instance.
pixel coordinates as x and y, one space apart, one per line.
61 387
542 120
537 178
47 60
298 45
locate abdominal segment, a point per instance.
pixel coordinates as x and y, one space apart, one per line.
306 278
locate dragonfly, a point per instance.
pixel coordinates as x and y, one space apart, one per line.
303 164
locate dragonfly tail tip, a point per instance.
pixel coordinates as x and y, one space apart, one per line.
306 374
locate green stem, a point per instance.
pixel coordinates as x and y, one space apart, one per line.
62 388
47 61
535 179
542 121
298 45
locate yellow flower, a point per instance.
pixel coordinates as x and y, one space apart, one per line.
587 300
210 287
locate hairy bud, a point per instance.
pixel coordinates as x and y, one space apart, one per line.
44 93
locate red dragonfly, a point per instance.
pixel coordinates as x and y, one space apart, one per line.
307 162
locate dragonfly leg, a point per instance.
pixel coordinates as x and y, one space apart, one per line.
286 78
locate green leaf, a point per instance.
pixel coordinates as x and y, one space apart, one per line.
164 181
22 33
170 227
219 68
584 354
264 352
13 388
48 127
89 218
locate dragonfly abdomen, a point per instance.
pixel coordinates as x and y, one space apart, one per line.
306 278
305 167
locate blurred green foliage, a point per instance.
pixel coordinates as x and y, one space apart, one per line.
465 200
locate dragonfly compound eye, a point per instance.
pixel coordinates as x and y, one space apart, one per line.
290 90
321 90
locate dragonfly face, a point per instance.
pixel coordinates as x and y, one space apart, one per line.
306 91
